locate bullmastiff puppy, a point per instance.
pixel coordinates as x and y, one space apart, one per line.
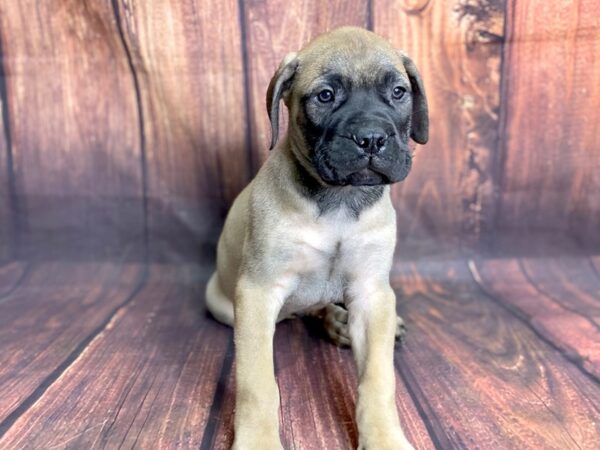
314 232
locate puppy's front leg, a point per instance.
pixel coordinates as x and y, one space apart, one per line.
257 395
372 325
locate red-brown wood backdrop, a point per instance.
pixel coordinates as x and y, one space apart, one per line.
127 127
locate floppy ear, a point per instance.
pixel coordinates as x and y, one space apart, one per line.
280 83
419 131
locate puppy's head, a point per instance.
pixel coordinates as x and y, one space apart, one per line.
354 102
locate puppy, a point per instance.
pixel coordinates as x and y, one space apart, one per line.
316 227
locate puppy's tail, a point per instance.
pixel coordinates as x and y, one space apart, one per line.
217 303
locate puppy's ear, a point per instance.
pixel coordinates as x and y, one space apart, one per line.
420 117
280 83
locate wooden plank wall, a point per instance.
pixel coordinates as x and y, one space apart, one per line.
187 58
6 215
6 211
551 171
457 47
74 128
132 125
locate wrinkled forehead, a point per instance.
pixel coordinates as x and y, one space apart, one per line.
364 60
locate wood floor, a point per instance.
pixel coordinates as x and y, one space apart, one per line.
501 353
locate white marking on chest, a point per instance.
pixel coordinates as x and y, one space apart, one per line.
317 243
317 261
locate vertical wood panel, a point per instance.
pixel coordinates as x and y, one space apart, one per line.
188 60
457 47
73 125
6 215
5 210
552 169
275 28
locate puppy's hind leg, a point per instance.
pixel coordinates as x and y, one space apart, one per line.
334 318
219 305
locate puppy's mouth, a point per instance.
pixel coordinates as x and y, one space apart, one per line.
368 171
368 176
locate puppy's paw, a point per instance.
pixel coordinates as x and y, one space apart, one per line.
335 321
400 330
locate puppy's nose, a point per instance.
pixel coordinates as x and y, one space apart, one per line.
371 141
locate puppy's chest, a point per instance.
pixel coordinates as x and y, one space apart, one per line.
318 263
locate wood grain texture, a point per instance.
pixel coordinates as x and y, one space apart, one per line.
131 120
552 99
187 58
457 47
7 228
273 29
73 124
47 317
595 264
147 380
11 275
472 373
318 385
6 217
483 377
569 281
551 304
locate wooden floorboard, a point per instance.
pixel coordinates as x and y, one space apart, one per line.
147 380
552 308
47 319
568 281
121 355
487 380
318 383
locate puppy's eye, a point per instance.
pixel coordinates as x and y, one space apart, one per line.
325 96
398 92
